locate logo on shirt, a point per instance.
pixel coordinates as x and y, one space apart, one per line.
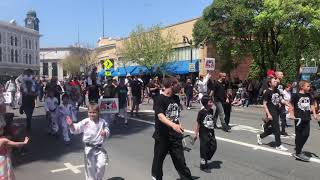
208 121
304 104
173 112
275 99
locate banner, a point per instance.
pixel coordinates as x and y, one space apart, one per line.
210 64
109 105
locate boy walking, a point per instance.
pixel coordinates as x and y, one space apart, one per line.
95 130
301 106
272 101
204 129
168 131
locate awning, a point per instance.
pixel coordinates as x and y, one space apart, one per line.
180 67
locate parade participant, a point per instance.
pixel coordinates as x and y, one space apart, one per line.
287 97
202 85
205 131
51 105
95 130
54 87
66 110
6 168
302 104
137 94
283 119
218 90
11 87
122 91
169 131
28 92
188 90
227 107
271 105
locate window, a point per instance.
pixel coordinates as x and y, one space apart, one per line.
0 38
11 39
26 58
26 41
45 69
12 55
54 69
29 58
29 44
0 53
16 55
16 41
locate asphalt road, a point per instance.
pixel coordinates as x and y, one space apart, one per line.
130 151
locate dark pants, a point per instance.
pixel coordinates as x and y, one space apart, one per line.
135 103
302 134
174 147
227 111
272 127
208 144
189 99
29 111
283 119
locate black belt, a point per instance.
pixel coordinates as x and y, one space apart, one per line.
93 145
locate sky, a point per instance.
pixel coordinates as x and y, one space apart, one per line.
60 20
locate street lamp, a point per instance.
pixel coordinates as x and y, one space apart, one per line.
189 41
302 59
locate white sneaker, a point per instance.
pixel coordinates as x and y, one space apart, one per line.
281 148
259 140
188 108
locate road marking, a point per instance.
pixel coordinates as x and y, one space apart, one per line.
69 166
254 147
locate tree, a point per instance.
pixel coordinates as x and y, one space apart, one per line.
148 46
276 33
76 57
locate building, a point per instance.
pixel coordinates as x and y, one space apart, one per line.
183 54
51 58
19 46
51 61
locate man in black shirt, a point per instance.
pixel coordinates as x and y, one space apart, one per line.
218 90
168 131
280 87
137 94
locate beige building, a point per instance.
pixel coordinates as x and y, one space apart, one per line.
108 48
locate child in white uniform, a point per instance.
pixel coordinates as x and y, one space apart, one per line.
65 110
95 130
51 106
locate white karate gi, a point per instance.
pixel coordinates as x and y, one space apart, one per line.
96 156
51 106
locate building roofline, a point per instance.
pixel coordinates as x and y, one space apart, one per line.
168 26
20 28
60 48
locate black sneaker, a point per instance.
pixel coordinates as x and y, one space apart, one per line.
301 157
205 168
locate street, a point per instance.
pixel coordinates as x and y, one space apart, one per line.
130 151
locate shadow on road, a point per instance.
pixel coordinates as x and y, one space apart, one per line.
215 164
116 178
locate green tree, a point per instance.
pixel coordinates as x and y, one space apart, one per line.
148 46
77 56
276 33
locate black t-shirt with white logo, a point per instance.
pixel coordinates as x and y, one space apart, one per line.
273 99
171 108
302 106
205 119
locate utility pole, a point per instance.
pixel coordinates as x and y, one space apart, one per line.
102 18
